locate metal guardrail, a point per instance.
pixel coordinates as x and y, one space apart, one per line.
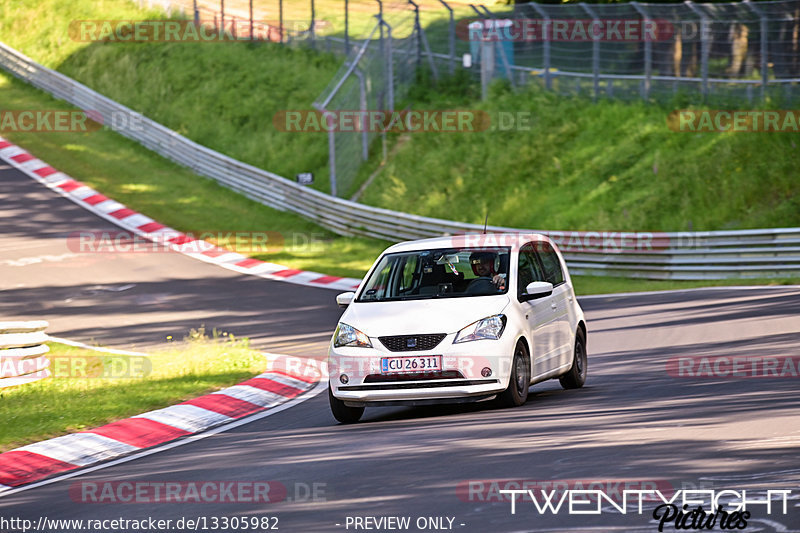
687 255
22 352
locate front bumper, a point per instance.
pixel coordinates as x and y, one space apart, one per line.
463 364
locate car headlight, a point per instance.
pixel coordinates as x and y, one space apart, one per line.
486 328
349 336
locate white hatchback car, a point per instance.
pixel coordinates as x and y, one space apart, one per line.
455 319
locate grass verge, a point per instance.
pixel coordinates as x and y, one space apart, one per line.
79 397
610 166
615 168
173 195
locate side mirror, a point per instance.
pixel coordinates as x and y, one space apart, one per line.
536 289
346 298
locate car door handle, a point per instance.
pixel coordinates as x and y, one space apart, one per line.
553 306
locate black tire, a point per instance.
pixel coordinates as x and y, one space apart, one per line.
344 413
576 377
520 381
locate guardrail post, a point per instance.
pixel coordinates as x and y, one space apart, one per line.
648 51
704 46
545 43
595 53
451 38
764 46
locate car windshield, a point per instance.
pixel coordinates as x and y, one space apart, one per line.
440 273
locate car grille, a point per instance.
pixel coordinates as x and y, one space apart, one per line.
420 376
412 343
418 385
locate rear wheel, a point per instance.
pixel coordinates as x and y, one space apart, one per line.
517 392
344 413
576 377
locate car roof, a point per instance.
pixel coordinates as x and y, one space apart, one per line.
470 240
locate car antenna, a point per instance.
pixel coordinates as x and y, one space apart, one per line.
485 222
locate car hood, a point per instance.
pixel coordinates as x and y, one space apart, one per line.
441 315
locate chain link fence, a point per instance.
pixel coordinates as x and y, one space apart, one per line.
377 73
729 53
712 52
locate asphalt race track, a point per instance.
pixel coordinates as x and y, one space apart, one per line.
638 421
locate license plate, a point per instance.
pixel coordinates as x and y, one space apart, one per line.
425 363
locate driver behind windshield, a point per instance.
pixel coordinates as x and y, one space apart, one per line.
488 280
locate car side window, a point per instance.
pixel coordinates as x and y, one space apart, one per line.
550 264
529 270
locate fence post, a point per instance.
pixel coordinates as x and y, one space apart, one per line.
648 52
381 51
251 20
595 52
418 32
327 116
311 31
389 65
764 44
280 20
422 43
704 46
545 43
196 13
222 14
487 66
346 27
451 39
362 104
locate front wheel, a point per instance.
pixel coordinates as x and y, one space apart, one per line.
517 392
344 413
576 377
